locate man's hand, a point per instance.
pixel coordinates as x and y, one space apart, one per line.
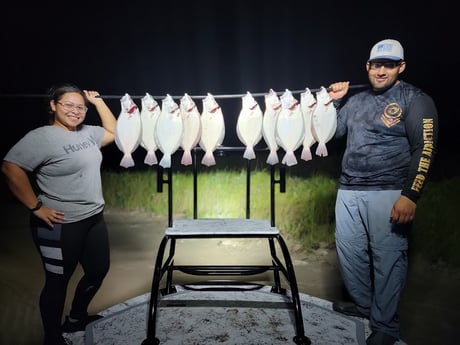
338 90
403 210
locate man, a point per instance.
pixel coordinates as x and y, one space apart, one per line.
391 131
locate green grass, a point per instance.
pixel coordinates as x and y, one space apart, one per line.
436 230
305 210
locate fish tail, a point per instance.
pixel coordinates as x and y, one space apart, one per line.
272 158
186 158
208 159
249 153
165 161
321 150
289 159
306 154
150 158
127 161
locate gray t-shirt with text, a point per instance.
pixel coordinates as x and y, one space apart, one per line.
66 165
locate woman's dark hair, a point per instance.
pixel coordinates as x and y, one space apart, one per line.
56 92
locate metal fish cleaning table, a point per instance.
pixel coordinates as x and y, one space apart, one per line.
207 228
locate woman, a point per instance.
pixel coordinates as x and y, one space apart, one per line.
66 220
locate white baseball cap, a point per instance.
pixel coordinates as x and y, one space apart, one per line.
387 49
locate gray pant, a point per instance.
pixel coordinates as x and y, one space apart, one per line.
372 254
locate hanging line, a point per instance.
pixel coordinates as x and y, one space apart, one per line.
260 94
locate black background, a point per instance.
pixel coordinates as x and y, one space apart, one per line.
221 47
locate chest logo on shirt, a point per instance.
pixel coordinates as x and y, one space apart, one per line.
391 114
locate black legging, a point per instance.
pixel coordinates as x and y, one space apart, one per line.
61 249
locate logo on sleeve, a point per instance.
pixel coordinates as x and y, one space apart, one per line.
391 114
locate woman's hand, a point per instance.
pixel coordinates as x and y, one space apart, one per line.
49 215
19 184
93 97
107 118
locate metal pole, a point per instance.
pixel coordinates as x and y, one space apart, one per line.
257 94
195 184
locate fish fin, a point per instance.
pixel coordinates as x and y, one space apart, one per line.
150 158
321 150
272 158
186 158
208 159
289 159
249 153
165 161
306 154
127 161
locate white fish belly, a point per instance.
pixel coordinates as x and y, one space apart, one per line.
128 133
309 138
324 126
289 130
269 129
168 134
191 136
269 134
212 135
290 133
149 120
249 130
192 130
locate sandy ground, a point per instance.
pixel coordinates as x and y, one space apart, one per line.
429 310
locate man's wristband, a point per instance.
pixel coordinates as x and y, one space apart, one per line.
37 207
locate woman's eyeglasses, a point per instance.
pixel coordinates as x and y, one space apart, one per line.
70 106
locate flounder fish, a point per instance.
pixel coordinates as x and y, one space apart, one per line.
168 130
212 129
150 112
249 125
272 110
128 130
307 105
324 120
192 127
289 127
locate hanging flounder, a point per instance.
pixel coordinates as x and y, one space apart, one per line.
149 115
272 110
307 105
249 125
289 127
212 129
324 121
169 130
192 127
128 130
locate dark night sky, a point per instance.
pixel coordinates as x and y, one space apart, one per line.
222 47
